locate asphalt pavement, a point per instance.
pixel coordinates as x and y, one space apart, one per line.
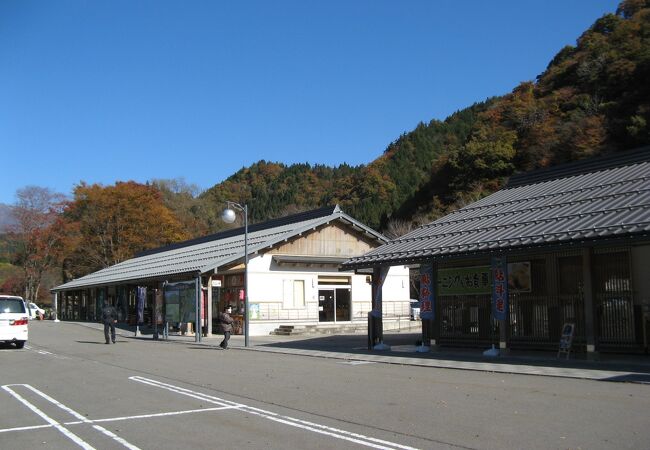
353 347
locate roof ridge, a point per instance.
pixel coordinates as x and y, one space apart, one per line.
521 200
272 223
580 167
509 239
517 224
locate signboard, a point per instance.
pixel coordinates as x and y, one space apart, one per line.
254 311
216 283
566 340
427 310
180 302
499 288
464 281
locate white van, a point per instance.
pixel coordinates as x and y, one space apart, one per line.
14 319
35 311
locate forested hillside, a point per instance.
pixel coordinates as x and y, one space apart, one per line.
593 98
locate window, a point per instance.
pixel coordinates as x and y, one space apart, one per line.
294 294
12 305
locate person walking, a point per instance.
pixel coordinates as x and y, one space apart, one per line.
109 317
225 322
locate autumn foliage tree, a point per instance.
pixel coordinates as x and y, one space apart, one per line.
110 224
37 235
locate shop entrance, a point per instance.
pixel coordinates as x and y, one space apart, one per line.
334 305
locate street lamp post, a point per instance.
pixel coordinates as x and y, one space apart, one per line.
229 216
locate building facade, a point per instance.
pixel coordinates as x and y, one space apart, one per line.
563 246
293 279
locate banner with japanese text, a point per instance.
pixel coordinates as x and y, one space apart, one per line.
464 281
427 305
499 288
141 299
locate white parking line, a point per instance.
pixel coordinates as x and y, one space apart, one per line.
76 439
44 352
286 420
29 428
223 404
69 434
148 416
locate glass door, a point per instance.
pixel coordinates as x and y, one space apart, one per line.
342 302
334 305
326 305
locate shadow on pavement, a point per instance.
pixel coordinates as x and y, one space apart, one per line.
403 345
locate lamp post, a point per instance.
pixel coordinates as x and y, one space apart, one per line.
228 215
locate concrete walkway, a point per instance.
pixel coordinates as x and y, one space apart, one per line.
353 348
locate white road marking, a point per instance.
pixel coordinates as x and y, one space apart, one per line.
223 404
148 416
44 352
117 419
291 421
70 411
69 434
34 427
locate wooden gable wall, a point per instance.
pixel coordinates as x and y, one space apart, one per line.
334 239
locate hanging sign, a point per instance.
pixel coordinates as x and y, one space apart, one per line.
426 292
142 295
499 288
464 281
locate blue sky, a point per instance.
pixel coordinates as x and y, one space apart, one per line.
105 91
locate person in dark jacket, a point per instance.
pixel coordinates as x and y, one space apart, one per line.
109 317
225 322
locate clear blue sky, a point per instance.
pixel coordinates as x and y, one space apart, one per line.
101 91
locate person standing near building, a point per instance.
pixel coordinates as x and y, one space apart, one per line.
225 322
109 317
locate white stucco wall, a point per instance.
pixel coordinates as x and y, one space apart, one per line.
266 286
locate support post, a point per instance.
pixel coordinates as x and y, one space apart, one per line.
378 278
246 312
588 293
55 308
427 297
209 307
197 315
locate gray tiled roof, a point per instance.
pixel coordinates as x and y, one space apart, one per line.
606 203
208 253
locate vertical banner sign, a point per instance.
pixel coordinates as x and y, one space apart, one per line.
142 293
426 292
159 306
499 288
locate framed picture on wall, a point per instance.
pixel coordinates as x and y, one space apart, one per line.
519 279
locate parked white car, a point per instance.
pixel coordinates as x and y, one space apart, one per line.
35 311
14 320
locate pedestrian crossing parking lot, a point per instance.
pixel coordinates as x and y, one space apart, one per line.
32 416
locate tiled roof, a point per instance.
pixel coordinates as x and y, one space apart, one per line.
208 253
609 200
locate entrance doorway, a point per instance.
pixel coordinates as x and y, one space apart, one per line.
334 305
